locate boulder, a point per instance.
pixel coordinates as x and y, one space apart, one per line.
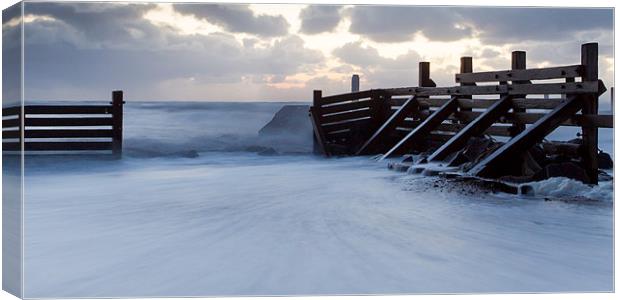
605 161
565 169
289 131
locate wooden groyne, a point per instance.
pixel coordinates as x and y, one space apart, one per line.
514 104
64 127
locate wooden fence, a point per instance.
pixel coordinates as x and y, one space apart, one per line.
64 127
513 104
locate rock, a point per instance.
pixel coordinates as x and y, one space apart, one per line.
566 169
290 130
605 161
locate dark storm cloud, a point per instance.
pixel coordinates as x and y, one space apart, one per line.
494 24
319 18
95 22
501 25
114 47
400 23
236 18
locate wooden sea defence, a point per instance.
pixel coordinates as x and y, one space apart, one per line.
520 105
64 128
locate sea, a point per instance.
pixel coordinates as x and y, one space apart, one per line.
193 209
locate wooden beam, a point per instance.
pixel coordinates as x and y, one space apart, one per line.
346 125
53 122
589 60
9 111
520 74
474 128
522 89
601 121
369 147
418 133
495 163
59 146
518 62
538 103
117 123
69 109
319 141
349 115
344 97
345 107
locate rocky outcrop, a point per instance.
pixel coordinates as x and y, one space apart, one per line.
290 131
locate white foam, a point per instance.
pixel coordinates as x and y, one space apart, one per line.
562 187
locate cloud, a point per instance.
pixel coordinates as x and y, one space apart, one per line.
491 24
95 24
319 18
401 23
379 71
64 56
236 18
511 24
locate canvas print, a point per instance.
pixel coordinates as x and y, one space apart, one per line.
235 149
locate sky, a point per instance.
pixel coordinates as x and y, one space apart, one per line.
281 52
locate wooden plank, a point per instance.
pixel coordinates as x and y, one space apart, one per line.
424 128
523 74
345 107
338 135
69 133
58 146
346 125
536 103
521 89
11 134
11 123
69 146
601 121
474 128
68 109
356 114
68 122
369 147
492 130
11 111
495 163
398 101
345 97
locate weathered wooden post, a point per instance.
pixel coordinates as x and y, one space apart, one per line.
518 62
117 123
466 67
589 62
424 75
355 83
319 146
